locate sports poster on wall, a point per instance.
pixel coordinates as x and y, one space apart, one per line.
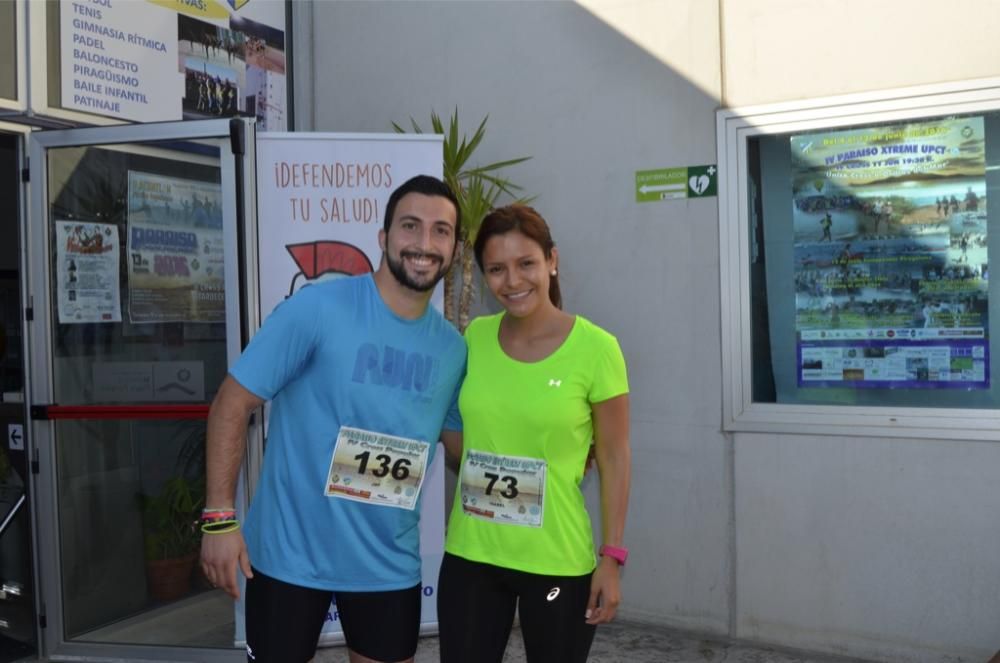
890 254
175 250
160 60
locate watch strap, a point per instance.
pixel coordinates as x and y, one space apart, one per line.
616 553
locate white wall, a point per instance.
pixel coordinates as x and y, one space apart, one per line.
882 548
874 547
592 107
867 547
779 50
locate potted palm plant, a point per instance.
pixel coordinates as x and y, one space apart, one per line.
478 188
171 536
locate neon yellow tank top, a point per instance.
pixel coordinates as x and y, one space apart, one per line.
527 431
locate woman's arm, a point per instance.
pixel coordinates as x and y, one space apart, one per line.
614 458
452 440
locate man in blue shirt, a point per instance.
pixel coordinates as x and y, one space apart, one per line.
363 377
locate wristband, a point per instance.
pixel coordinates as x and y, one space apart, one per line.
217 514
615 553
220 526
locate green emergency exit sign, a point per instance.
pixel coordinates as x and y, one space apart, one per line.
670 183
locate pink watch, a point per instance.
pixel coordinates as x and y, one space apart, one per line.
615 553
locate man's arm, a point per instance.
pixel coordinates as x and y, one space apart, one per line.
226 443
227 436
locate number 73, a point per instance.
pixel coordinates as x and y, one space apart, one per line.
510 492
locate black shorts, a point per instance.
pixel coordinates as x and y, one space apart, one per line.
284 621
476 604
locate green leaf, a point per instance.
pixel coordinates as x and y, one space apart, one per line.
477 187
498 165
436 122
473 143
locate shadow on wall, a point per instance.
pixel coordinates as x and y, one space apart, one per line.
592 107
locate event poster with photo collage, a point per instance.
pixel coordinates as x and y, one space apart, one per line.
175 250
890 256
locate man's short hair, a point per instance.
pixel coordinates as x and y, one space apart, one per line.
428 186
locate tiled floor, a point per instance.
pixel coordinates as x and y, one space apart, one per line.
206 620
622 642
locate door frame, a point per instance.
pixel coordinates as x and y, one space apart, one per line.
22 132
238 179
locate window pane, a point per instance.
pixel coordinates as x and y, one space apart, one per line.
869 269
8 50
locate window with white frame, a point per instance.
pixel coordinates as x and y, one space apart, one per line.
856 235
9 52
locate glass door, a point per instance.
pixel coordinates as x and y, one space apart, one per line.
136 296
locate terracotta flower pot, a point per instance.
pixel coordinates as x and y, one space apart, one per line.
169 579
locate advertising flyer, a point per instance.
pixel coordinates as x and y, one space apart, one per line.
86 269
87 288
890 254
175 250
159 60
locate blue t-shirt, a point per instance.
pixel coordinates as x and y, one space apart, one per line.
335 355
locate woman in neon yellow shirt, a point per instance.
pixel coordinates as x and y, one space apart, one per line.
541 385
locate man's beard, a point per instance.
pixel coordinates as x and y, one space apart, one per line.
398 270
